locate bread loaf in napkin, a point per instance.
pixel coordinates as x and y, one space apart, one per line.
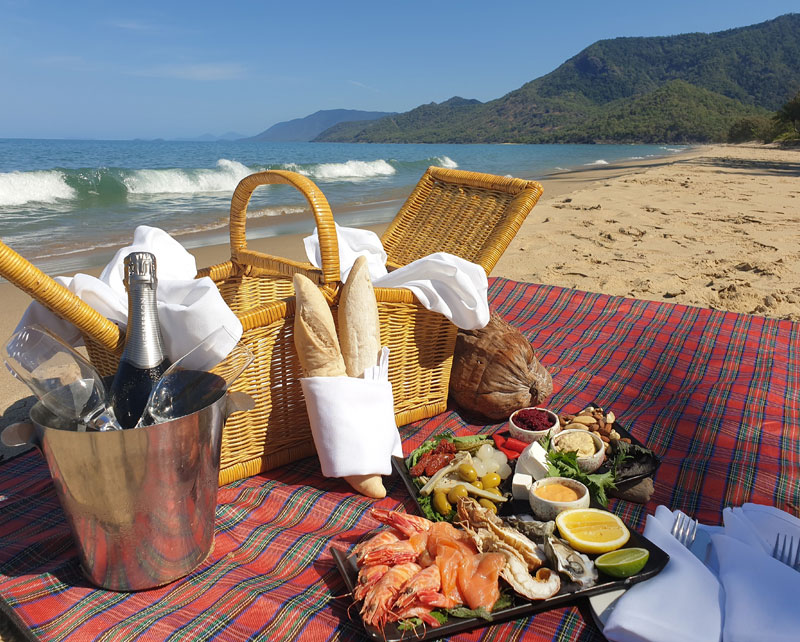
318 348
315 332
360 335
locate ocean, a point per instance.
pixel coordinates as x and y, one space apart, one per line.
60 198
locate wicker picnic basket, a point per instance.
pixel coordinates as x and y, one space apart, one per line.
469 214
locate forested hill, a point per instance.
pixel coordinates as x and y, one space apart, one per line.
684 88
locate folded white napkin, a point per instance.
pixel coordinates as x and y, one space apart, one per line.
353 242
757 595
441 282
760 592
189 309
352 422
683 602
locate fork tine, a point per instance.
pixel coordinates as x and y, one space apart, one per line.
677 525
775 548
692 532
796 563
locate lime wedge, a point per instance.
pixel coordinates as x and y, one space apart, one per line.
623 562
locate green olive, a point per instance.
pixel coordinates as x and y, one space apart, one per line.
467 473
495 491
456 493
490 480
488 503
440 503
478 484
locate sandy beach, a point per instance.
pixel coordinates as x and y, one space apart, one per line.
715 227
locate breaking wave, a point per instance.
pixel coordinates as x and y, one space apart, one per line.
20 188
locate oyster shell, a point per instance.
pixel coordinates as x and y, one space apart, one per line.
574 566
535 531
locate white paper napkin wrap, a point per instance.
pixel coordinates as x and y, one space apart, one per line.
189 309
352 422
683 602
441 282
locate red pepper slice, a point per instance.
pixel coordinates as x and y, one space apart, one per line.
511 454
499 440
515 444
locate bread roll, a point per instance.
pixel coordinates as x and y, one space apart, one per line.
315 332
359 327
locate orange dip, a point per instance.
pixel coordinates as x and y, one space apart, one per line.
556 493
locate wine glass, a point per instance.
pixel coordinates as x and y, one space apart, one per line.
188 385
65 383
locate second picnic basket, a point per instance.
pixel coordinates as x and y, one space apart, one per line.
468 214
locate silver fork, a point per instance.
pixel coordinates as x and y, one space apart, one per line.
784 545
684 529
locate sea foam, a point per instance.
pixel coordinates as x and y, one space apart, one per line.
598 162
19 188
446 162
351 170
224 178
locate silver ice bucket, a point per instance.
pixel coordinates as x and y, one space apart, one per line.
140 502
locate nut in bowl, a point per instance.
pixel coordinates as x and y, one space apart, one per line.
531 424
551 495
588 447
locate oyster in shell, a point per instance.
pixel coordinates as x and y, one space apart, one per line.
535 531
574 566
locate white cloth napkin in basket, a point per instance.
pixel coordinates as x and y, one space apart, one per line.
728 587
441 282
352 421
189 309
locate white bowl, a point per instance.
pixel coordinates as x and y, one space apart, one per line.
529 436
547 509
590 463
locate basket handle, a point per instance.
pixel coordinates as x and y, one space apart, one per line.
329 247
58 299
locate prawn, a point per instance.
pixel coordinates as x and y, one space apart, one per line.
379 600
405 523
376 541
428 579
397 552
368 576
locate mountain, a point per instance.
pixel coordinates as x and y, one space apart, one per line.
689 87
308 128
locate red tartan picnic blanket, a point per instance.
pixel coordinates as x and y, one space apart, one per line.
716 395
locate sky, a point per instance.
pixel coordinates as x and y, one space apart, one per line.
173 69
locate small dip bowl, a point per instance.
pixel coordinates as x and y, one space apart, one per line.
587 463
529 436
544 496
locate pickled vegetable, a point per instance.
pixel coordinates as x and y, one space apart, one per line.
440 503
478 484
495 491
467 472
487 503
490 480
456 493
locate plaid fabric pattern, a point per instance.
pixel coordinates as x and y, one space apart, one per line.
716 395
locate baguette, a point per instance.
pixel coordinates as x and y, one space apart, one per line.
359 327
360 336
315 332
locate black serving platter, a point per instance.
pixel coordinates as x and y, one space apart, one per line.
517 506
521 608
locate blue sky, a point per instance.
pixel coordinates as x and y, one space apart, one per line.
109 70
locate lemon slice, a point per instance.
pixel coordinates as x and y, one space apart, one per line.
591 530
623 562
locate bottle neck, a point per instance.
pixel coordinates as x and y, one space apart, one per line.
144 346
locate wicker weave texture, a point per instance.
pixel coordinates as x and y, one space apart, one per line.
471 215
474 216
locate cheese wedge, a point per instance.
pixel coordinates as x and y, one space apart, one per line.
533 461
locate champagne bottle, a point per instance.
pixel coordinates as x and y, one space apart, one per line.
143 360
